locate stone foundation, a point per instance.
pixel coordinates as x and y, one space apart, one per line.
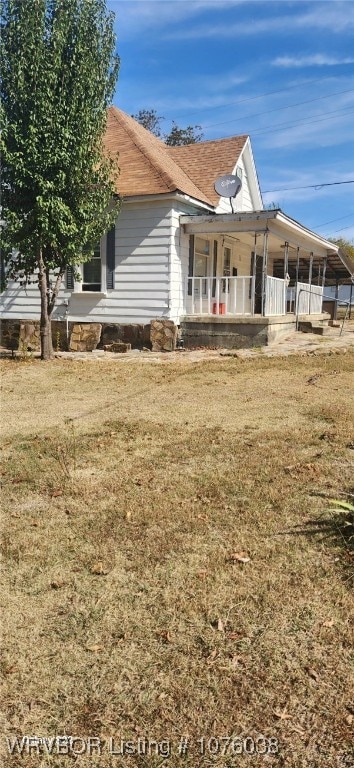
23 335
135 334
163 335
10 334
85 337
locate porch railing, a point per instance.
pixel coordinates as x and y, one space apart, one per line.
275 297
220 296
308 299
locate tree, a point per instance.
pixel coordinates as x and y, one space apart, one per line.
180 136
347 246
177 136
150 120
59 71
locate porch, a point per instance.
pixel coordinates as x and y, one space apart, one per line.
236 296
252 276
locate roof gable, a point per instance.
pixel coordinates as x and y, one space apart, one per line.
206 160
146 165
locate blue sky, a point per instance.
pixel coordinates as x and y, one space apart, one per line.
283 72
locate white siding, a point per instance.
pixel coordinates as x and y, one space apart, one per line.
243 199
179 262
142 284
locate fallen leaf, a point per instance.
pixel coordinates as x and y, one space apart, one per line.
165 635
220 626
235 636
56 493
349 719
202 574
240 557
97 569
328 623
95 648
57 584
282 714
128 515
12 668
312 673
212 656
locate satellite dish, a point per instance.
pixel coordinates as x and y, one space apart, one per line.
228 186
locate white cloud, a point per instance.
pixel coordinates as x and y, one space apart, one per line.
333 132
338 17
316 60
134 16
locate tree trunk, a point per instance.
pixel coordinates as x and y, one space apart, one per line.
45 322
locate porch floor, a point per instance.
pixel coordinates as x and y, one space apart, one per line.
232 332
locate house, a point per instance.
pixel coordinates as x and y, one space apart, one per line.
228 272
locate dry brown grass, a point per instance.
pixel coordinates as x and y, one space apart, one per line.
154 475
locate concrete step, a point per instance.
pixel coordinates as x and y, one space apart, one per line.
306 326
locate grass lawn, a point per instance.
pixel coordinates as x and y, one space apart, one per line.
169 569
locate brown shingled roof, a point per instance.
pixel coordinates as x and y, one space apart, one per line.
206 160
149 167
146 166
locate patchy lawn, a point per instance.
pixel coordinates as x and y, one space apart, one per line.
169 567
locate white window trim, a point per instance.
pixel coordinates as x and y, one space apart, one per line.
78 283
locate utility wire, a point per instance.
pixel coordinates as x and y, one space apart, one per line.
341 229
309 186
340 218
270 129
254 98
279 109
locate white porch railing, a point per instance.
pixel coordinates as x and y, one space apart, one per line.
220 296
275 298
309 299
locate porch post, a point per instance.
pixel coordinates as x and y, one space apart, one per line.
264 271
310 280
253 278
286 259
297 276
350 300
324 271
336 300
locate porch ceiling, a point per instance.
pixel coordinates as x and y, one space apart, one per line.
246 227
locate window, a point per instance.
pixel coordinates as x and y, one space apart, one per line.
98 274
201 258
201 262
91 272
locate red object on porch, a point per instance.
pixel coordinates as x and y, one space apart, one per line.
222 309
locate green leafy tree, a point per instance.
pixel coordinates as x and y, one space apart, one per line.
58 73
177 136
347 246
180 136
150 120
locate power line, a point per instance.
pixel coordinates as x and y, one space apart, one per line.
309 186
342 229
279 109
340 218
333 114
254 98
